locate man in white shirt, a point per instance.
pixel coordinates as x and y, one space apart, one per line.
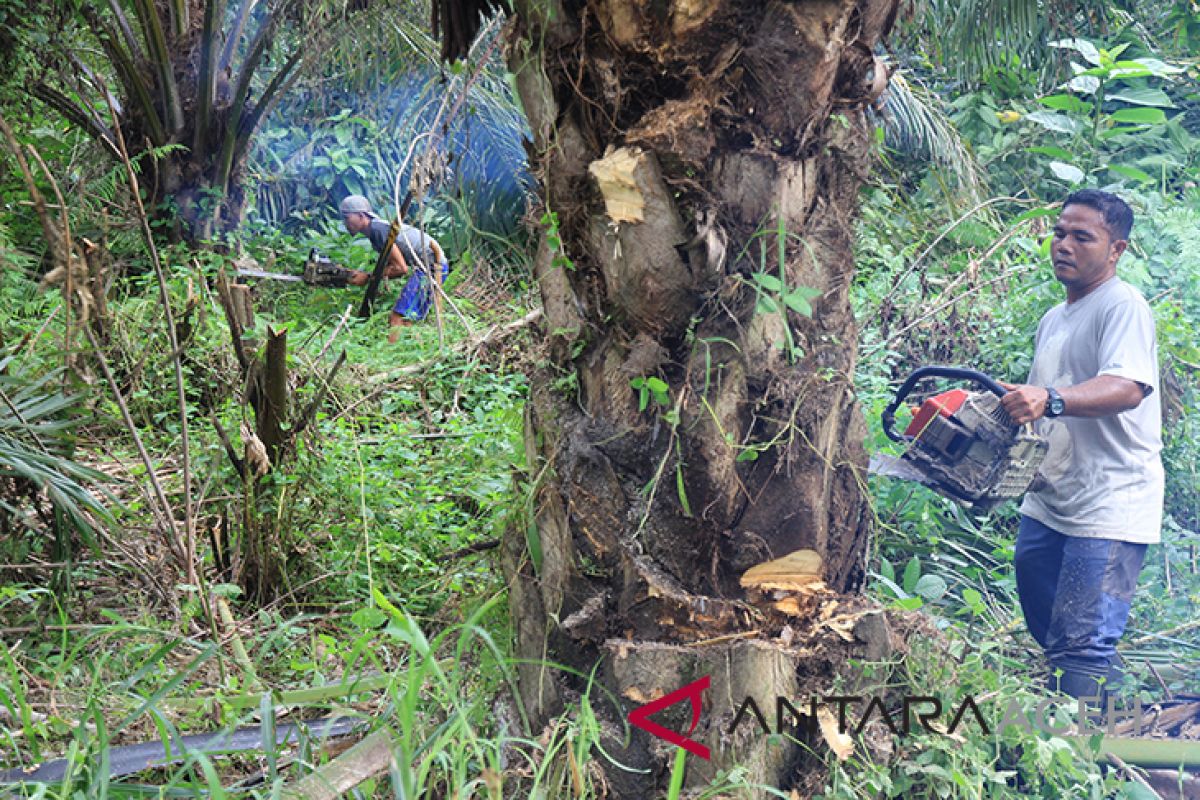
1083 534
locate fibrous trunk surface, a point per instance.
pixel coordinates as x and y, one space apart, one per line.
700 161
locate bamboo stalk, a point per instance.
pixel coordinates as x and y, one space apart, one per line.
272 416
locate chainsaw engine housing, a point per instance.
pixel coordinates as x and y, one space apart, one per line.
974 452
319 270
964 445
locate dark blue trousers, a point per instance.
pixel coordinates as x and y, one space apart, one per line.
1075 593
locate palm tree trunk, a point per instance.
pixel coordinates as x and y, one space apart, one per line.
700 163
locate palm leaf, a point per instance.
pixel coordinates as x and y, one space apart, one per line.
915 125
35 448
972 37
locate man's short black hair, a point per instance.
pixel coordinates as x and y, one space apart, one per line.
1118 216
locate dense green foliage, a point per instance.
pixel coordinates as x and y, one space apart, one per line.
382 513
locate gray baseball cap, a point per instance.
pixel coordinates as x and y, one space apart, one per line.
355 204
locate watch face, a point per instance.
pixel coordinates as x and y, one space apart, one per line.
1055 406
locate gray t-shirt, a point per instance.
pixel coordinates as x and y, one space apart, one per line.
410 240
1105 475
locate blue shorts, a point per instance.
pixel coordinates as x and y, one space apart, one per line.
417 295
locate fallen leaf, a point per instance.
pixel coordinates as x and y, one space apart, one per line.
636 695
840 743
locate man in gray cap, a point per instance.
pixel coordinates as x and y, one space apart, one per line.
414 254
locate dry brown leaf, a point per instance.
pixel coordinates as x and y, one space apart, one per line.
255 452
840 743
843 626
636 695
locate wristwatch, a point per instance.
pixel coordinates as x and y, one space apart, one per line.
1054 403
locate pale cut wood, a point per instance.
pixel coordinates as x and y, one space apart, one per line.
362 762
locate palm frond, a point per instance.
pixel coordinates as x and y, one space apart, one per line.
972 37
35 454
916 126
391 90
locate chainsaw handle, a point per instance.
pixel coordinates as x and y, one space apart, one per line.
888 417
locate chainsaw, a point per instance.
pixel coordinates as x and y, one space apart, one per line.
319 270
962 444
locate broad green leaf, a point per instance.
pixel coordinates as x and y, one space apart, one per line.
1158 160
1066 172
368 617
1153 65
973 598
1067 102
1081 46
1033 213
766 305
797 299
1131 172
931 587
769 282
656 385
1055 122
912 573
798 304
1139 116
1054 152
1084 84
1120 130
1143 96
1130 69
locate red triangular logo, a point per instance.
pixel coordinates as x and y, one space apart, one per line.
640 716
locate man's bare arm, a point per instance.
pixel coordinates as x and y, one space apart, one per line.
396 266
1102 396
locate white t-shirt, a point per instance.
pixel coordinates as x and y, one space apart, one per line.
1105 476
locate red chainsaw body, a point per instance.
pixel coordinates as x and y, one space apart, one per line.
946 404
